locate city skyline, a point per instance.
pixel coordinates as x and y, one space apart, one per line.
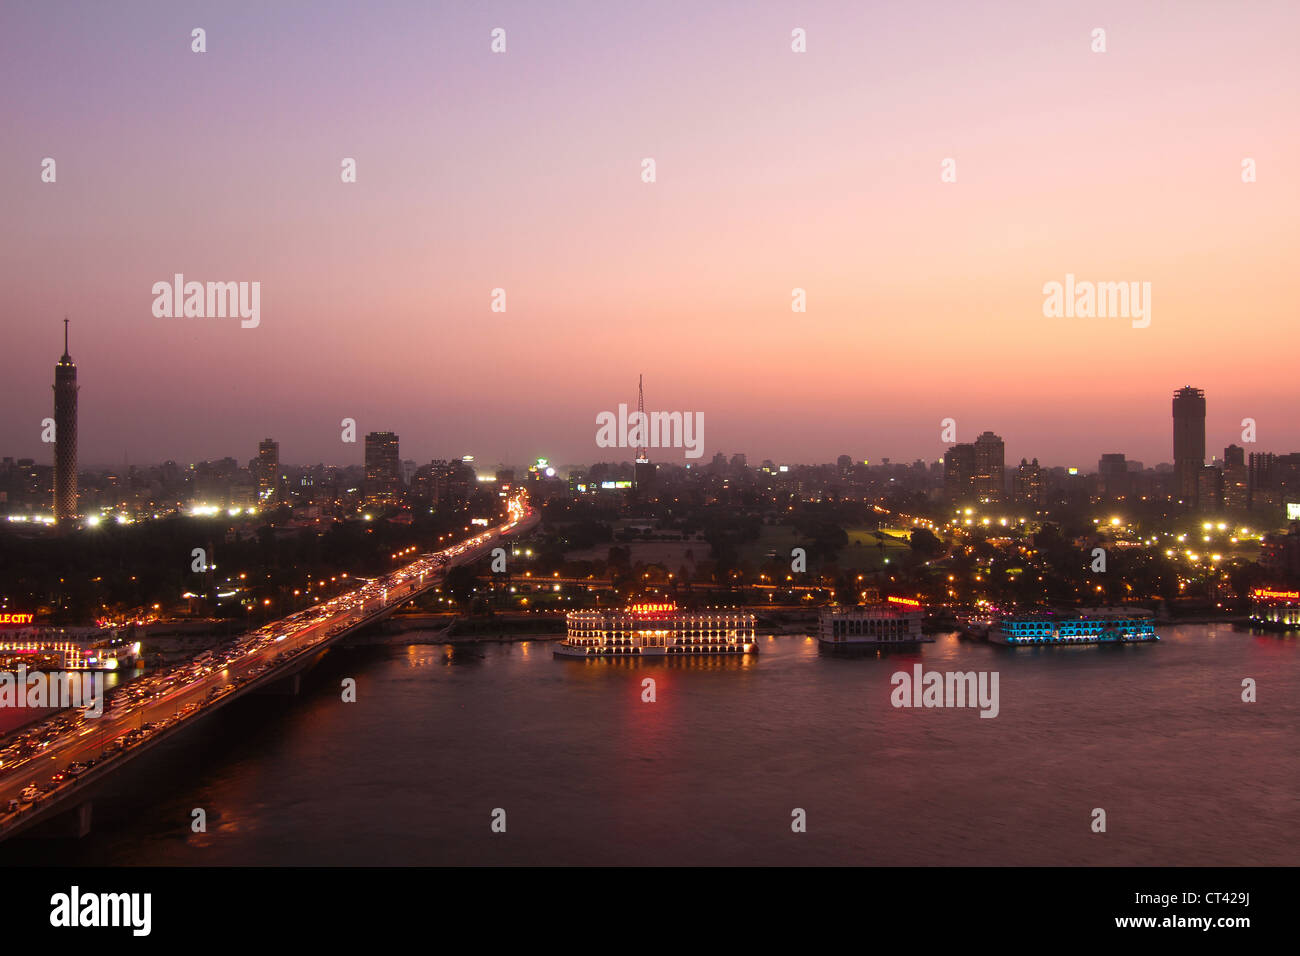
1188 437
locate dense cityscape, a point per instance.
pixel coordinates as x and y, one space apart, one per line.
1190 537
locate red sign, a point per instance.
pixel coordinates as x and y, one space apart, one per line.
1277 595
652 608
901 600
16 619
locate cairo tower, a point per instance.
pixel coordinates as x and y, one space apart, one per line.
65 436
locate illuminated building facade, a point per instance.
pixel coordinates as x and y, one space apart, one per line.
266 468
1027 484
990 468
383 468
1236 480
959 473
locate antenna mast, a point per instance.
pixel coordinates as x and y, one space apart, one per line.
645 424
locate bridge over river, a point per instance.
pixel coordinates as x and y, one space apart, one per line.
271 658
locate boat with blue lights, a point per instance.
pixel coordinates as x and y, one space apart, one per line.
1086 626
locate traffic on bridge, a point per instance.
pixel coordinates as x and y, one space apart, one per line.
53 758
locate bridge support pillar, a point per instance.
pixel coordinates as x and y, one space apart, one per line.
74 823
288 687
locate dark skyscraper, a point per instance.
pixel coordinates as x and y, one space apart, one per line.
267 470
383 468
65 436
990 468
959 472
1189 441
1115 478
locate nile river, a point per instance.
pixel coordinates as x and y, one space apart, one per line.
710 772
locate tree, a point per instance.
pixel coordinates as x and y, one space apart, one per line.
925 543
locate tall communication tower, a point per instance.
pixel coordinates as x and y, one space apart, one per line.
641 456
643 472
65 437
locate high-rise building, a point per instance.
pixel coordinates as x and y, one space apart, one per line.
65 436
266 469
959 472
1236 482
990 468
1209 489
1189 441
1259 478
1027 484
1115 477
383 468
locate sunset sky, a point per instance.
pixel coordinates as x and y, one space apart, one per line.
775 170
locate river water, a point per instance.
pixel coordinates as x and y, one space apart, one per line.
714 769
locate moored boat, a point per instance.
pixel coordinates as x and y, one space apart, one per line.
1086 626
657 630
894 622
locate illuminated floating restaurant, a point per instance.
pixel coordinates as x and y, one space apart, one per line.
1090 626
657 630
1275 609
57 650
894 622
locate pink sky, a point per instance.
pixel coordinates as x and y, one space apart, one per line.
775 170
